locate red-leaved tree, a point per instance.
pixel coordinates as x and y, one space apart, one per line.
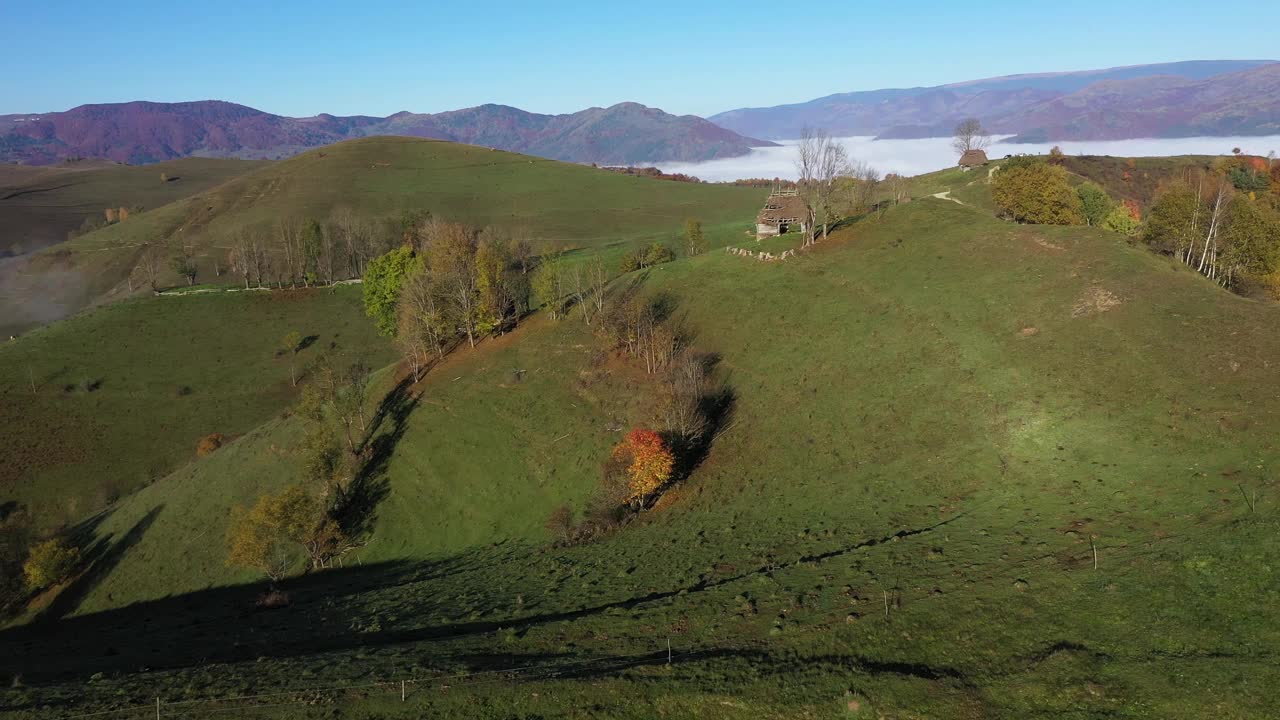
648 462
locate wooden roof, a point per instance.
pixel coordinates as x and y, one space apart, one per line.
782 208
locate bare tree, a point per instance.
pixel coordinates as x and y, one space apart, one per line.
820 161
453 260
970 135
864 182
149 266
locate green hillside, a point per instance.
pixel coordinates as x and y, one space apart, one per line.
40 205
377 179
100 404
973 470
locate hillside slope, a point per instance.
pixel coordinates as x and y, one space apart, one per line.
148 132
39 206
377 179
964 456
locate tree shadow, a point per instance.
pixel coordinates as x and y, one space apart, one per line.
357 504
100 555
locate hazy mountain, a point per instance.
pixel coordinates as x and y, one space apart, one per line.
145 132
1017 104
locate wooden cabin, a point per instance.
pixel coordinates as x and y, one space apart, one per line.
783 212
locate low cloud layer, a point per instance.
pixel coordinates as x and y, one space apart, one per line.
913 157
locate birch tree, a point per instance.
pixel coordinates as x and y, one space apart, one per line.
820 160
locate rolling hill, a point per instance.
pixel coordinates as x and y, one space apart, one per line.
964 455
1213 97
376 178
40 205
147 132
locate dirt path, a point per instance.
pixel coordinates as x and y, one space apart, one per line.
946 195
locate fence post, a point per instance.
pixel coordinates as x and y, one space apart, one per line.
668 651
401 691
157 707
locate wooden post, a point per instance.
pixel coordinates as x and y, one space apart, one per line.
157 707
668 651
1094 547
401 691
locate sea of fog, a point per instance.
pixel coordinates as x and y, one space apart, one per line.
913 157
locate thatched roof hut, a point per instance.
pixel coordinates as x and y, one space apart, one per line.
973 158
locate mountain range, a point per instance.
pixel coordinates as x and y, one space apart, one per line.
1183 99
147 132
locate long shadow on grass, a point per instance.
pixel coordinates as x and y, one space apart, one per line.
100 555
333 610
357 508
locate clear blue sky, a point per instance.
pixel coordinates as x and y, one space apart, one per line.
297 58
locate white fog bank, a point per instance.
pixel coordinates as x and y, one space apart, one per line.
913 157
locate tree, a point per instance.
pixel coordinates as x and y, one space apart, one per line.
184 264
820 160
268 536
1250 240
1033 191
648 463
656 254
1095 203
51 562
863 183
695 240
290 344
425 327
497 287
149 266
1121 220
548 281
970 135
453 261
383 279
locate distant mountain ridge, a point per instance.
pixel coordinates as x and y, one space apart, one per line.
1161 100
145 132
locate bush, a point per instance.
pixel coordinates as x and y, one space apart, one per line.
209 443
50 563
648 462
656 254
1033 191
1095 204
1121 220
560 523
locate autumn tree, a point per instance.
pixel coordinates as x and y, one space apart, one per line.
425 324
647 461
50 562
970 135
452 260
279 528
502 291
694 239
1033 191
1123 219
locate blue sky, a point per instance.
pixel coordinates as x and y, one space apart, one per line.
296 58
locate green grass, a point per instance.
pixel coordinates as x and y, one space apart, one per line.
940 416
40 205
124 393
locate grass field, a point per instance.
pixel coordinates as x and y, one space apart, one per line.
123 394
40 205
974 470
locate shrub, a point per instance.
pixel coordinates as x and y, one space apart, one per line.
1033 191
209 443
657 253
560 523
50 563
1095 204
381 287
1121 219
630 262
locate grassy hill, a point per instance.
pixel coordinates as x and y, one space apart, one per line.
377 178
40 205
98 405
974 470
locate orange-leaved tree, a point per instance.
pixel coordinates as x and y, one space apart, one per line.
648 462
